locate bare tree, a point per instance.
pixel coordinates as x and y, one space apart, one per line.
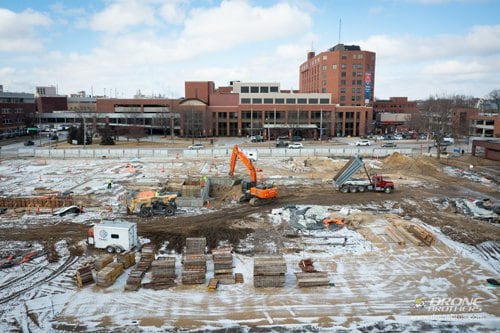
495 98
136 132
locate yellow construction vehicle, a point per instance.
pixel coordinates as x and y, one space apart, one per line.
154 205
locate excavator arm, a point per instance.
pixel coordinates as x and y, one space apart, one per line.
238 154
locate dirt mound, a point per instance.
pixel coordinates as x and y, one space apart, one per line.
398 161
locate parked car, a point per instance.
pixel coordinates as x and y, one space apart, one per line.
196 146
442 143
54 137
282 144
296 138
29 143
389 144
256 138
296 145
398 137
363 143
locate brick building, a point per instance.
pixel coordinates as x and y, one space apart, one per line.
344 71
16 113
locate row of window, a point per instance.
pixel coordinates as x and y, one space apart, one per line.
12 121
7 110
259 89
285 101
356 98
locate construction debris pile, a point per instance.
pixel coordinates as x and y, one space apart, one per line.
162 274
310 277
269 271
194 261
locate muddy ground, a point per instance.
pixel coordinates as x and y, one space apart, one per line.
417 180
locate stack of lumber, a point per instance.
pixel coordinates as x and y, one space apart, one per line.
238 278
223 265
213 284
135 278
194 268
103 261
423 234
402 230
195 245
84 276
314 279
269 271
395 236
194 262
162 274
127 259
108 275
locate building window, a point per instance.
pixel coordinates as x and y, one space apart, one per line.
323 67
254 89
343 66
301 100
334 66
353 82
245 101
359 66
353 90
325 57
313 101
353 74
358 98
268 101
324 101
359 83
342 98
324 82
273 89
279 101
257 100
343 74
367 67
344 56
323 90
342 82
360 74
264 90
358 90
290 101
245 89
342 90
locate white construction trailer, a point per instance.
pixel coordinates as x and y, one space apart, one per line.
113 236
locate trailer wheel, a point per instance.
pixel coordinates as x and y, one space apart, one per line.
110 249
169 211
118 250
388 190
353 189
344 189
361 189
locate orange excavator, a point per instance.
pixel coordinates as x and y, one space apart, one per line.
339 223
255 193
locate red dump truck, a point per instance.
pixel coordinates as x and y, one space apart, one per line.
344 182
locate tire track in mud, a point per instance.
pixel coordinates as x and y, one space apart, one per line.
61 269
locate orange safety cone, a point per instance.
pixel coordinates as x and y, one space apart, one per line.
208 204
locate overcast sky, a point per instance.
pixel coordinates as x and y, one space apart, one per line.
117 47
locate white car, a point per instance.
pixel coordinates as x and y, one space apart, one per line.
363 143
196 146
296 145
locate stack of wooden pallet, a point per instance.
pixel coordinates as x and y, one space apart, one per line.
162 274
135 278
84 276
108 275
269 271
423 234
127 259
194 262
223 265
310 277
103 261
195 245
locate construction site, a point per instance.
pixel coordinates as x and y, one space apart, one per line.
229 243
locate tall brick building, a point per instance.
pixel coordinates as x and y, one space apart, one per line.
344 71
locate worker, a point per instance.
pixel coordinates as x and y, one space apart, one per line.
204 180
157 194
109 183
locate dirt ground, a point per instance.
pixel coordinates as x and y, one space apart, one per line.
417 180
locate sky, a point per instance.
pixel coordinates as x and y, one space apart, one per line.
119 47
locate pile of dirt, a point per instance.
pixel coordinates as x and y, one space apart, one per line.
398 161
